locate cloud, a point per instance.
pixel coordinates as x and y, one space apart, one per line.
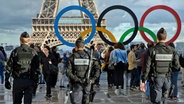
171 29
172 3
18 14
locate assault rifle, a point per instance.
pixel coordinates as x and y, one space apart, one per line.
90 62
89 82
90 85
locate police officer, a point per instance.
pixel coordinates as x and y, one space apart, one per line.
159 60
77 68
22 65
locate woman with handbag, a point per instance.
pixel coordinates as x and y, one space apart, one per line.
48 61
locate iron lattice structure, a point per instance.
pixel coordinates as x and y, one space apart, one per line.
43 26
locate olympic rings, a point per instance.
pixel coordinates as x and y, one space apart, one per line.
76 8
152 34
122 8
111 36
165 8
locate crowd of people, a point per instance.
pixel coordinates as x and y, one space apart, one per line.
138 68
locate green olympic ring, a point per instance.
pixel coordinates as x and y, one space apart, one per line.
151 33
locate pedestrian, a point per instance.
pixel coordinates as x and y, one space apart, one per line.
46 61
159 60
174 79
181 59
40 54
62 70
143 61
65 58
97 54
37 74
110 72
118 58
3 52
64 61
139 53
77 71
132 67
3 60
54 76
21 66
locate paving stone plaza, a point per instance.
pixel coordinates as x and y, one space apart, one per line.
103 96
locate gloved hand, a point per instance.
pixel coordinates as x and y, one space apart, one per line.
86 82
92 81
82 81
7 85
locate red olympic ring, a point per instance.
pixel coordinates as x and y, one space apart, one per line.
165 8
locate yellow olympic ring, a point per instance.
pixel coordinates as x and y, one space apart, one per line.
110 35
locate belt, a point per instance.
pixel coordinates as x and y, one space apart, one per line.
163 75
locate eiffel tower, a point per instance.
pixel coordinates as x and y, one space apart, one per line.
43 26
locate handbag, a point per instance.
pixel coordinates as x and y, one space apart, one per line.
53 69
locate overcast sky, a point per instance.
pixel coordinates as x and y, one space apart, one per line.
16 16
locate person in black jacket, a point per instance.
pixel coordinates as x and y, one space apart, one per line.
174 78
181 59
46 61
3 59
159 60
55 75
22 65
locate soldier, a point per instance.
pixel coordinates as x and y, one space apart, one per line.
159 60
22 65
77 68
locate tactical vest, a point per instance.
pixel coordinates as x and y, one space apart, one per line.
163 57
80 64
22 63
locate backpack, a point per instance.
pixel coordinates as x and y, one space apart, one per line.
23 59
162 59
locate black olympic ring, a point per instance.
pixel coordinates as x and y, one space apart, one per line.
122 8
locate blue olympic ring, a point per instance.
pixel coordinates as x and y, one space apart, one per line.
74 8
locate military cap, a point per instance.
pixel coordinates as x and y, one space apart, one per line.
24 35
